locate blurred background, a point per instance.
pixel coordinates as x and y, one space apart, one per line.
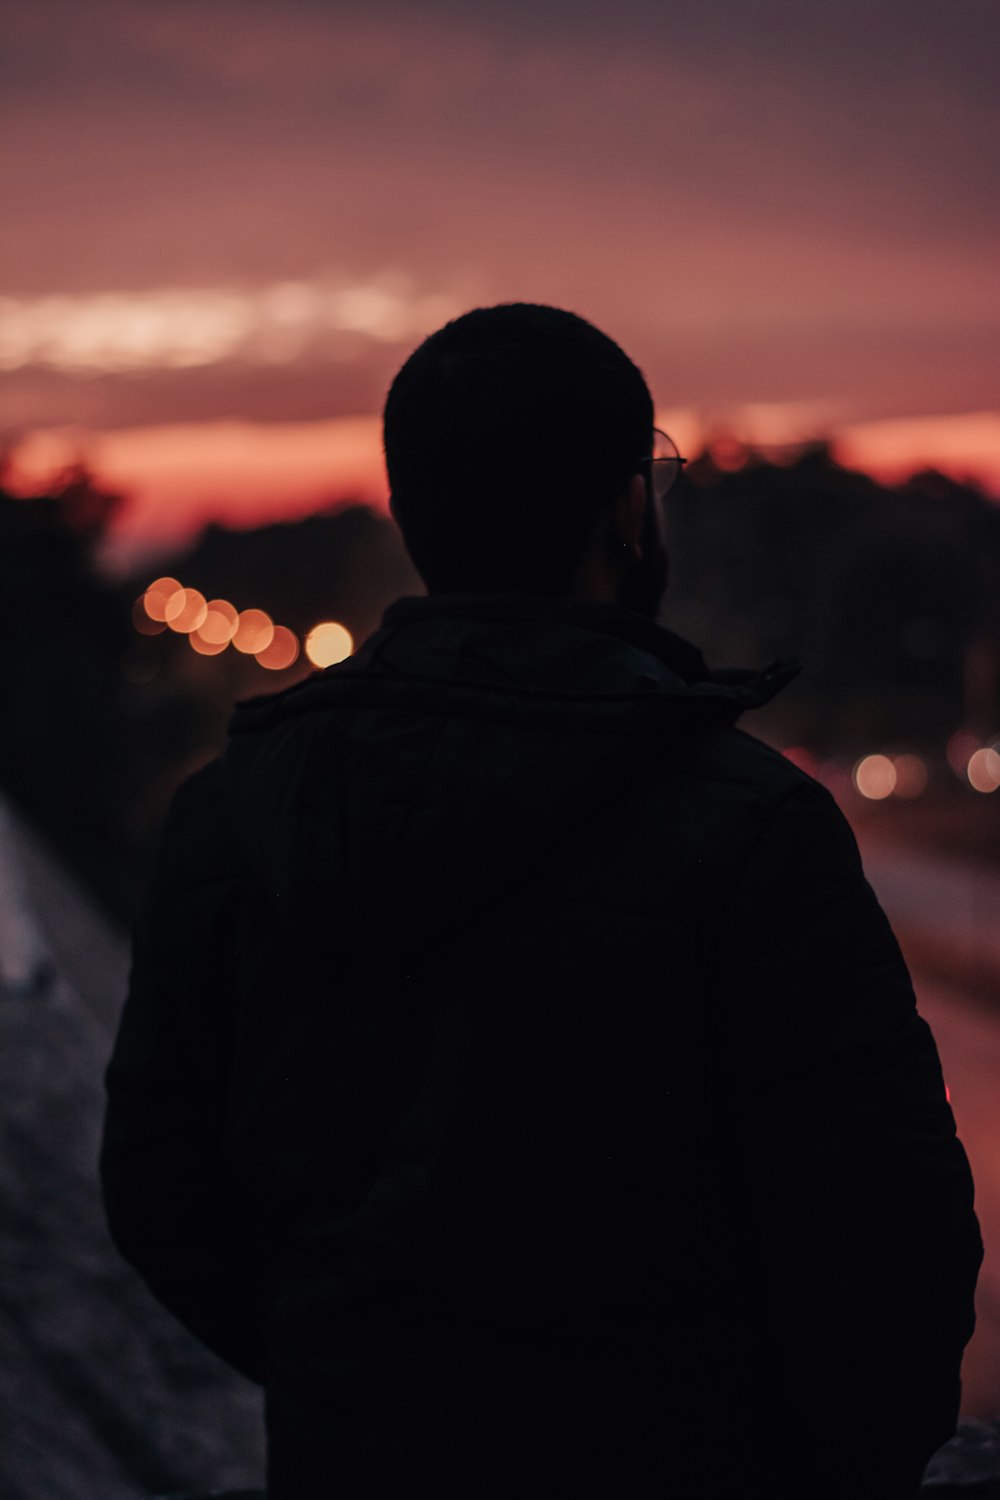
227 223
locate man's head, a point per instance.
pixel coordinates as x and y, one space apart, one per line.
513 439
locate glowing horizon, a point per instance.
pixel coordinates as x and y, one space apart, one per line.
178 478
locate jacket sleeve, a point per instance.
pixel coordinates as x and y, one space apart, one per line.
174 1211
858 1192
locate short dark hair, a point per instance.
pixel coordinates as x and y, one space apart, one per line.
506 432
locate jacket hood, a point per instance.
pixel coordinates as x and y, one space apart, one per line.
391 797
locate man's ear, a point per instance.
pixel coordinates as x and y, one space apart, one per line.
627 517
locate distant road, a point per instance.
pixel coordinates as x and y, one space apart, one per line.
948 910
968 1038
950 905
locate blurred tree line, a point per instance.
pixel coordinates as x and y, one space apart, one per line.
62 636
889 596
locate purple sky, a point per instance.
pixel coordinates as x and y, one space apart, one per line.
239 209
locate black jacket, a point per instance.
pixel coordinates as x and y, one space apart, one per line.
519 1077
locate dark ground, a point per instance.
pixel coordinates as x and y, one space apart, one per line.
103 1396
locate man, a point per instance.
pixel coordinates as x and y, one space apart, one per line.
518 1076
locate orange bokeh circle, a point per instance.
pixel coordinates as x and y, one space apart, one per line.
185 610
281 652
254 632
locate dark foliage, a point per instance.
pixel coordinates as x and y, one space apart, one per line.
100 723
63 630
882 593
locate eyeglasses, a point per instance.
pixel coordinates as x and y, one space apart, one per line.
662 466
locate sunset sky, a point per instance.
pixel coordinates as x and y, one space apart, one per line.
228 221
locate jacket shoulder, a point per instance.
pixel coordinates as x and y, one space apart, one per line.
733 757
197 845
738 786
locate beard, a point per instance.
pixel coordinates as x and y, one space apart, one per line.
645 584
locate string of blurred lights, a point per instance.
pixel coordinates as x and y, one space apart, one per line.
213 625
878 776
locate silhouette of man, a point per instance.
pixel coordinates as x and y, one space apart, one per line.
518 1076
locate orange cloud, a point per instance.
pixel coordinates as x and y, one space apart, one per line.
178 328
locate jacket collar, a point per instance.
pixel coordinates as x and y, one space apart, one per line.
720 696
679 655
745 688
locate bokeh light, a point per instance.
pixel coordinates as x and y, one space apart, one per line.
158 595
875 777
983 770
254 632
911 775
185 610
219 624
282 650
328 643
203 647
